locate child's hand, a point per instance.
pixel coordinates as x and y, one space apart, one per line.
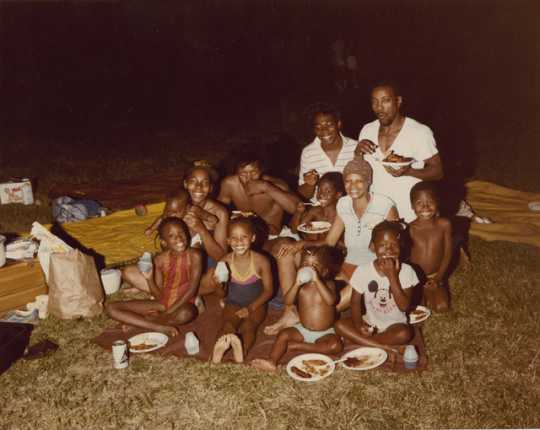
311 178
148 275
148 231
242 313
389 267
193 221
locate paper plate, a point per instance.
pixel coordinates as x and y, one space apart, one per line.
308 363
396 165
146 342
369 358
315 228
421 313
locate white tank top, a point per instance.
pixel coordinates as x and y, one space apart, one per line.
358 230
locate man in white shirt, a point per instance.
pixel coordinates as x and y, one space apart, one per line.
392 131
330 151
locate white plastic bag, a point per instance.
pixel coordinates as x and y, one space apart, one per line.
49 243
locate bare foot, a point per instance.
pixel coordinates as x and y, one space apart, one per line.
288 319
222 345
199 304
222 303
236 345
266 365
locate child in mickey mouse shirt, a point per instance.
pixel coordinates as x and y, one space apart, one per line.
385 285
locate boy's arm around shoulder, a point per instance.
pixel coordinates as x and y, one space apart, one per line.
263 268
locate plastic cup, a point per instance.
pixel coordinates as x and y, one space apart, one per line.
221 272
305 274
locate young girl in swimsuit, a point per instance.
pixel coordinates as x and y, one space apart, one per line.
173 284
248 290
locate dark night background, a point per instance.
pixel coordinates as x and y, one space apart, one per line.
75 67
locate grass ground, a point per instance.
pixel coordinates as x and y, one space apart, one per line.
484 355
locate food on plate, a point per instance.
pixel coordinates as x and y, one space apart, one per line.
315 363
396 158
358 361
316 367
299 372
142 346
418 313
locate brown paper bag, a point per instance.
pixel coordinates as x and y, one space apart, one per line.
74 286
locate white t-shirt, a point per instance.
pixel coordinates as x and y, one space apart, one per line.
414 140
381 308
358 230
314 157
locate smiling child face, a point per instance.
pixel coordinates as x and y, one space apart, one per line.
174 238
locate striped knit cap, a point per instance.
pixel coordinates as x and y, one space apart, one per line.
359 166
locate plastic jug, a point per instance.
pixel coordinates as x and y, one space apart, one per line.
145 262
410 357
221 272
191 343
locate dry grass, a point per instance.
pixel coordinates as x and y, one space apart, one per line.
483 370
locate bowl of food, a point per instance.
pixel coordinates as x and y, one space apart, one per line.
111 280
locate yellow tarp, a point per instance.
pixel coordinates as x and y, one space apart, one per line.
119 237
508 208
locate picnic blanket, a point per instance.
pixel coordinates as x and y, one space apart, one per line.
206 328
122 194
118 237
508 208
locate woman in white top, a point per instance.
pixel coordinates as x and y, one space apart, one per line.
357 213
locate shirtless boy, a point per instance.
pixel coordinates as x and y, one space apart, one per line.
316 302
249 190
385 286
431 237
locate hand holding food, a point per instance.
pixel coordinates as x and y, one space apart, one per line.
389 267
365 146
